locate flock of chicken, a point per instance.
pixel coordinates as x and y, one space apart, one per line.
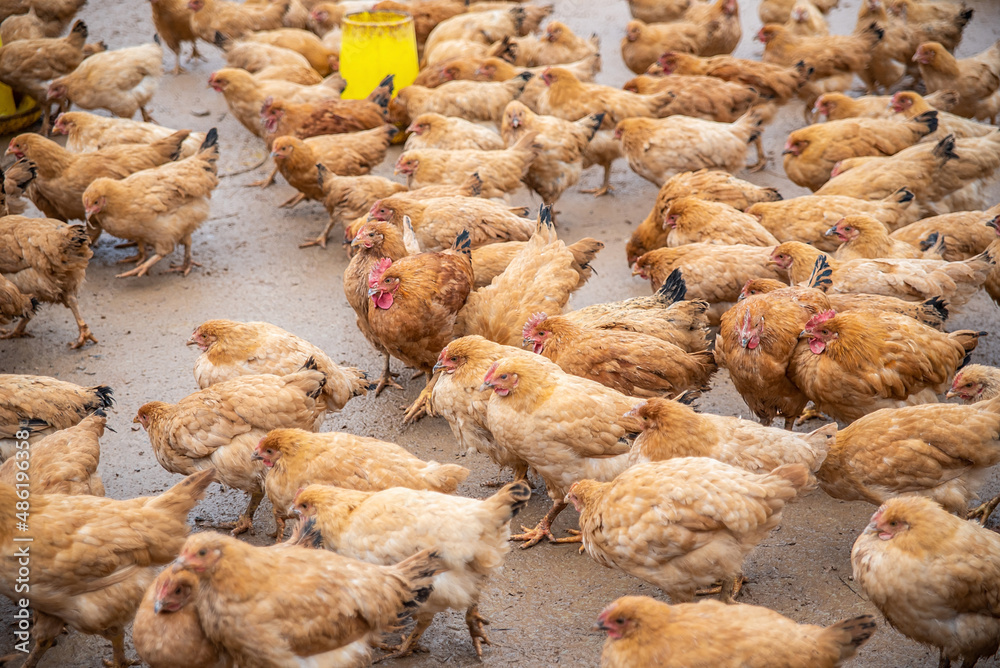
839 298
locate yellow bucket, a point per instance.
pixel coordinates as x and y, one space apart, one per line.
375 45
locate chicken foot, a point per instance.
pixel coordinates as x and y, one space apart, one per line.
761 157
118 657
387 378
266 181
418 408
983 512
322 238
729 589
245 521
520 473
543 529
186 265
146 116
138 258
605 187
142 268
410 643
475 622
85 334
292 201
18 332
45 631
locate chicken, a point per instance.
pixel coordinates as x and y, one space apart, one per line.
975 382
28 65
711 185
645 632
806 20
426 13
778 11
218 427
562 426
660 149
330 601
380 527
245 93
432 130
602 150
437 221
807 219
912 280
122 82
64 462
281 118
851 364
233 20
230 349
322 59
268 62
471 100
492 260
46 260
976 79
349 197
500 171
14 184
487 26
837 106
557 46
911 541
159 207
560 162
658 11
14 304
865 237
716 32
172 21
692 220
629 362
940 451
41 406
683 523
569 98
771 81
295 458
17 27
62 177
347 154
497 69
669 429
910 104
94 557
86 133
699 96
811 152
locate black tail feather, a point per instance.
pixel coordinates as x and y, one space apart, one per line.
674 289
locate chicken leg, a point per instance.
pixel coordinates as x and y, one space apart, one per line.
185 266
605 187
418 408
411 642
729 589
761 157
18 332
543 529
292 201
268 180
321 239
387 378
475 622
118 657
983 512
85 333
45 631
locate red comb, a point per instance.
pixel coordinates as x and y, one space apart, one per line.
378 270
489 373
529 327
820 318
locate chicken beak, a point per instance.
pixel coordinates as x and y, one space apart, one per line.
599 626
372 292
256 457
951 394
355 242
191 342
157 606
804 334
831 232
515 123
484 387
437 367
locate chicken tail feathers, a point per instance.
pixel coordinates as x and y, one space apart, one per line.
306 534
945 149
183 496
79 31
674 289
929 119
795 474
822 275
444 478
510 500
473 185
221 41
902 196
104 396
463 243
935 310
383 92
211 139
874 33
584 251
418 572
593 123
321 172
851 634
969 338
545 216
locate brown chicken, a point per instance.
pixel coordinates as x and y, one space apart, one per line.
711 185
28 65
488 26
218 427
556 46
911 541
975 382
910 104
349 197
691 220
14 304
497 69
500 171
46 260
159 207
716 32
172 21
432 130
324 613
865 237
629 362
471 100
471 536
64 462
559 164
14 187
940 451
645 632
491 260
976 79
268 62
94 557
851 364
772 81
346 154
811 152
40 405
569 98
47 20
122 82
808 218
295 458
658 11
562 426
62 177
303 42
426 13
912 280
233 20
779 11
837 106
231 349
699 96
660 149
437 221
683 523
86 133
281 118
669 429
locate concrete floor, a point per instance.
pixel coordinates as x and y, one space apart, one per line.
545 601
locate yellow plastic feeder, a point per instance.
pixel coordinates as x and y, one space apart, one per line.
373 46
17 114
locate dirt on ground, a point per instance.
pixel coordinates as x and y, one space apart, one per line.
545 601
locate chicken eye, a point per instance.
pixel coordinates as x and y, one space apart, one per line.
848 229
503 377
202 552
453 358
824 332
178 590
620 620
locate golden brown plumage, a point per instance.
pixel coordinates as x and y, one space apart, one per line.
347 198
706 30
569 98
975 382
122 81
772 81
865 237
172 21
86 132
65 461
433 130
471 100
693 220
699 96
976 79
41 405
233 20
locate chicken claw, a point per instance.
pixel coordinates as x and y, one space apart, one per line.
16 333
606 189
292 201
418 408
983 512
810 413
183 267
475 622
410 643
532 537
729 589
85 335
119 658
387 379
